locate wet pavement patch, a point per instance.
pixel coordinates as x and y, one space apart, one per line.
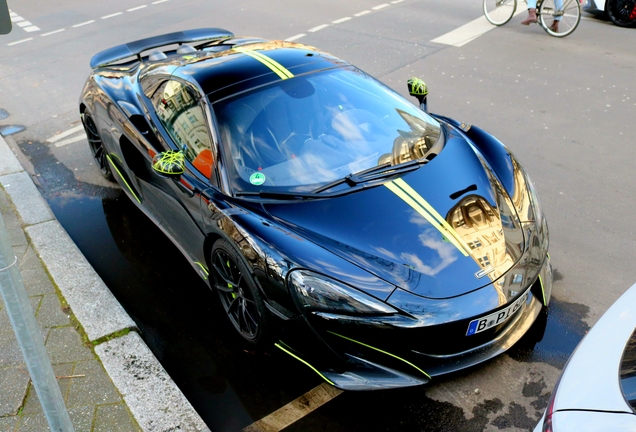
3 114
10 129
554 336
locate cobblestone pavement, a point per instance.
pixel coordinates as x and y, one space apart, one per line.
93 402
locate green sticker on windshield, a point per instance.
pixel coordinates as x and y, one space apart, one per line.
257 179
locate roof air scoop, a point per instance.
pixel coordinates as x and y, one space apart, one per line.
185 49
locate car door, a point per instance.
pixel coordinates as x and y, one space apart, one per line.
176 200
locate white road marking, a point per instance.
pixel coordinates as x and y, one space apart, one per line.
382 6
293 38
53 32
159 1
70 140
295 410
31 29
84 23
397 1
16 18
24 23
359 14
341 20
112 15
13 14
320 27
470 31
64 134
136 8
20 41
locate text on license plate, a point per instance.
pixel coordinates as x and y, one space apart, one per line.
480 324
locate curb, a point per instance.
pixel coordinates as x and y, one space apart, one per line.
151 395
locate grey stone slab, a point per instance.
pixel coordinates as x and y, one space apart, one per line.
11 221
81 418
65 345
146 386
50 313
14 383
89 298
26 198
8 161
114 418
32 404
37 282
95 388
7 424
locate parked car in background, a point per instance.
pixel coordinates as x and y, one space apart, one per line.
597 388
621 12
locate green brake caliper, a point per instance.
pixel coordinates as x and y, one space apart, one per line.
229 285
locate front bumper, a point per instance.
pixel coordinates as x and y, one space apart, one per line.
366 354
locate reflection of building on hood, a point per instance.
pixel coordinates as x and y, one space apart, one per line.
480 226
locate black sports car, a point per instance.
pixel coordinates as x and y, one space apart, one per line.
376 243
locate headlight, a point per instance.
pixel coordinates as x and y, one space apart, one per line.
320 293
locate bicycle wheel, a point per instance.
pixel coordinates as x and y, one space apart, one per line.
499 12
622 12
565 13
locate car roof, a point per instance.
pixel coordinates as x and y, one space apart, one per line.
239 64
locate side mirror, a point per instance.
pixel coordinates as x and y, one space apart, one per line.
169 163
418 88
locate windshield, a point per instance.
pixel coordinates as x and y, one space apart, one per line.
303 132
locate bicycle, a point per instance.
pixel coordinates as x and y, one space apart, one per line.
567 12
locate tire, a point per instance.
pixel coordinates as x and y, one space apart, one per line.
622 12
97 147
570 13
239 294
499 12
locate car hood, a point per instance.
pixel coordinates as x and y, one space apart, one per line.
444 230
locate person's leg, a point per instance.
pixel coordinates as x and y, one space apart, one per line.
532 13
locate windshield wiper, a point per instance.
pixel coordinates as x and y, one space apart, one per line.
374 173
280 195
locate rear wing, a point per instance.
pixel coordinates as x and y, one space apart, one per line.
135 48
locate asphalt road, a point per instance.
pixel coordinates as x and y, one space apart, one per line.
565 107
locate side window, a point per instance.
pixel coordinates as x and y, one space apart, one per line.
178 110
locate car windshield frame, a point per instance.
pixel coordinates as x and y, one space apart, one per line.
334 123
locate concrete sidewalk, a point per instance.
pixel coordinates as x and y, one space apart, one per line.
109 378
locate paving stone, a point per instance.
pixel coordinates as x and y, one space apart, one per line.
10 353
14 382
114 418
7 424
65 345
37 282
50 312
32 404
11 222
95 388
29 260
81 418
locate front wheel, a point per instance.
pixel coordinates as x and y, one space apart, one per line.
238 293
499 12
622 12
559 18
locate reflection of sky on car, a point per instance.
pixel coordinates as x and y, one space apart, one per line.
319 128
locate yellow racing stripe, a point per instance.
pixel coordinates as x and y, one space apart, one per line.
276 67
420 205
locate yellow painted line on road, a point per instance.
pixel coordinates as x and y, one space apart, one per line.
295 410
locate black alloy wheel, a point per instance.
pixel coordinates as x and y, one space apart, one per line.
97 147
238 292
622 12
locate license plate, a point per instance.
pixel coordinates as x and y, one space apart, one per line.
480 324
